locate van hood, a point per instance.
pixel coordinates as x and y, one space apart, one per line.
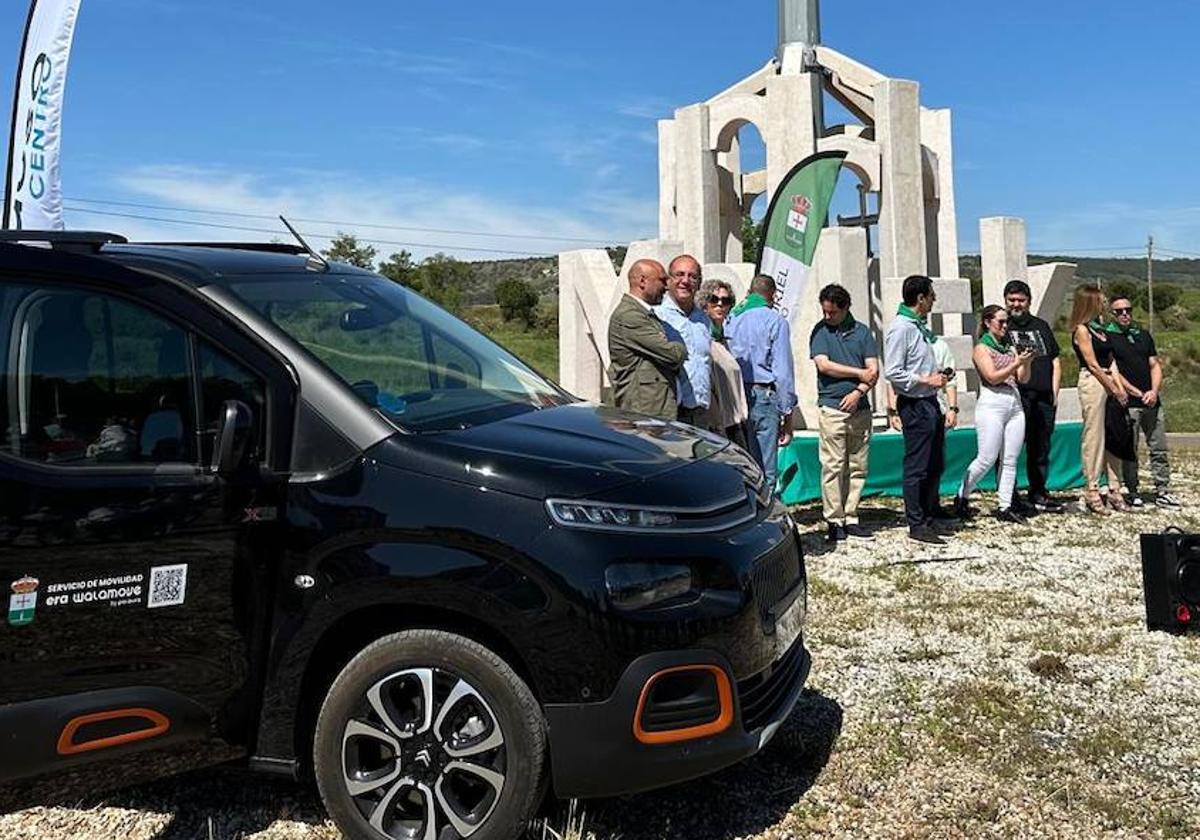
576 451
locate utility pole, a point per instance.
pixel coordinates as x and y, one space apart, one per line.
1150 280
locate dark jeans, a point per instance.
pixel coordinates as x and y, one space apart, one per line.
924 429
1039 428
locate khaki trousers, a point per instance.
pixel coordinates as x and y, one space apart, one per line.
1092 399
845 444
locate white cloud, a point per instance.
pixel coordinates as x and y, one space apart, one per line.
466 224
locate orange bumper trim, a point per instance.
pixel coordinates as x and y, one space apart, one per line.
670 736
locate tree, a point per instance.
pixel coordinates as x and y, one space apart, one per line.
751 238
518 300
442 280
400 268
345 248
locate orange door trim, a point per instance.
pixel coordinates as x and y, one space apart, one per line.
66 741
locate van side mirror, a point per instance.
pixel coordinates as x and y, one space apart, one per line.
234 428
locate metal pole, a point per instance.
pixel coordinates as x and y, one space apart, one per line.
1150 279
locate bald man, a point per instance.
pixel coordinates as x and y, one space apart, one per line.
644 363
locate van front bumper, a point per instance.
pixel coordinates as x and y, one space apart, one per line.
594 751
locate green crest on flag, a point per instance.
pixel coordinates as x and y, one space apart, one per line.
793 225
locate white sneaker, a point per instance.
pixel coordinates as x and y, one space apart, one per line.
1135 500
1167 501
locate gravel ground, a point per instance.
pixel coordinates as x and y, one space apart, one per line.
1003 686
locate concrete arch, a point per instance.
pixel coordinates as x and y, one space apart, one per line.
863 157
728 116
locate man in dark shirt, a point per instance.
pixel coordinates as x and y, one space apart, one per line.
847 361
1039 396
1137 362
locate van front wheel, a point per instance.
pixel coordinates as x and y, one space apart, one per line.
426 735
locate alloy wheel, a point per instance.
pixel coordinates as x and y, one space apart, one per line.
423 756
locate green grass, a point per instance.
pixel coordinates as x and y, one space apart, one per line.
537 346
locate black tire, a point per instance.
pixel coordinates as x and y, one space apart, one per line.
399 741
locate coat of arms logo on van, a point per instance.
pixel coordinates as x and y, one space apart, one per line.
23 601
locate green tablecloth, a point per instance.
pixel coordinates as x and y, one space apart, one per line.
800 466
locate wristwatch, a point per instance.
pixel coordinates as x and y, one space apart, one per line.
892 412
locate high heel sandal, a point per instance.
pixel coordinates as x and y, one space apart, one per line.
1115 501
1095 503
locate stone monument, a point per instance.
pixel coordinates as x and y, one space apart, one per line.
899 151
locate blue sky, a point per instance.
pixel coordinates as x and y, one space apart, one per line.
538 118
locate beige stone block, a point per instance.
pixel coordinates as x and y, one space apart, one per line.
953 296
1069 409
1003 255
902 247
1051 284
790 133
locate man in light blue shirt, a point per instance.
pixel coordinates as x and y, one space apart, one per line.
761 342
686 322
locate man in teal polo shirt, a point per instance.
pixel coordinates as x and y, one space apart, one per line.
847 361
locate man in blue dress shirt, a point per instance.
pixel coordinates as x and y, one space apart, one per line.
760 340
687 323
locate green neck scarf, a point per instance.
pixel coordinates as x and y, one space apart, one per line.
1131 332
1023 321
1114 328
989 340
753 301
717 331
906 311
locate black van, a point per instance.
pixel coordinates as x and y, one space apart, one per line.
256 506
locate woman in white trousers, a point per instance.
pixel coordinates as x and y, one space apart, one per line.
999 420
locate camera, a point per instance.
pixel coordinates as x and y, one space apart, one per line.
1027 341
948 372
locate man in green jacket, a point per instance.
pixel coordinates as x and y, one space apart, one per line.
644 363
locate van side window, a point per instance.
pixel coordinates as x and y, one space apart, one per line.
94 380
221 379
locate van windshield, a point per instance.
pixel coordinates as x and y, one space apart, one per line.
412 361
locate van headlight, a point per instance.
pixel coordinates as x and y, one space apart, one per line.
636 586
606 517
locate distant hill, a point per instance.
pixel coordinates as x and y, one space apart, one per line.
539 272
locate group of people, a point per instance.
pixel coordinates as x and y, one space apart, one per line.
682 348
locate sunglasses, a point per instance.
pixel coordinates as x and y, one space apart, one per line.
1122 310
720 300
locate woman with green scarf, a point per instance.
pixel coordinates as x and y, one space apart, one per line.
727 409
999 418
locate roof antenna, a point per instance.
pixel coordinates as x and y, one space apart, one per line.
315 261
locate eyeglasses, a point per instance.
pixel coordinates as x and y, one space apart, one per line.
1001 323
1122 310
720 300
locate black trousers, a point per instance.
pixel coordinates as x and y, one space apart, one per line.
1039 428
924 429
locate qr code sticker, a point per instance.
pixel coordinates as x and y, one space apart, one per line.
168 586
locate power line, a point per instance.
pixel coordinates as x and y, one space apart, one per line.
1192 254
336 222
1069 251
276 232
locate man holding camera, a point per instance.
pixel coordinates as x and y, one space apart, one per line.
1039 396
912 369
